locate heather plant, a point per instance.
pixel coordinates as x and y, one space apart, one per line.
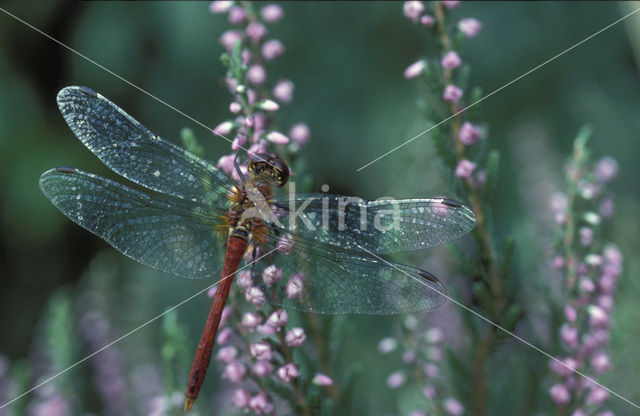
269 360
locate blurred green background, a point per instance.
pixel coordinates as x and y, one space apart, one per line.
346 60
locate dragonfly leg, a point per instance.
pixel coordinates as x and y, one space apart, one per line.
237 166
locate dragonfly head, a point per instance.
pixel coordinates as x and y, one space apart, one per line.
269 166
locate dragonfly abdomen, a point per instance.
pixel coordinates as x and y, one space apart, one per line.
235 251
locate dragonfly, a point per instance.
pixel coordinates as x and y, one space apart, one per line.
317 252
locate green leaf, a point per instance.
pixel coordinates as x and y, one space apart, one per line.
190 142
483 296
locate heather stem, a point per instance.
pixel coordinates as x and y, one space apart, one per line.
482 237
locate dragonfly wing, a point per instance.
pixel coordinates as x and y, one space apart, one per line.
164 232
318 278
382 226
133 151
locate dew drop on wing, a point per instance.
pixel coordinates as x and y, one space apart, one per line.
65 169
88 91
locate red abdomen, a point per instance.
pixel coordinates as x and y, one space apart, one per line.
235 251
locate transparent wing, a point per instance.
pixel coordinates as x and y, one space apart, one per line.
170 234
317 277
133 151
388 226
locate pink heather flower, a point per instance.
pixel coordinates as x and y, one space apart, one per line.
431 370
593 259
271 275
607 206
225 163
605 302
271 49
322 380
300 133
452 93
469 27
600 362
256 31
427 20
237 15
579 412
261 404
606 169
386 345
415 69
395 380
464 169
451 60
235 107
413 10
266 330
251 96
261 350
268 105
452 406
225 314
587 285
558 262
451 4
237 143
295 337
256 74
429 392
256 296
613 255
229 38
244 279
417 413
251 320
408 357
570 313
234 372
597 316
227 354
271 13
285 244
220 6
278 319
434 335
469 134
560 394
586 236
240 398
569 335
566 369
295 286
597 395
212 291
287 372
283 91
261 368
223 336
607 413
223 128
277 137
257 148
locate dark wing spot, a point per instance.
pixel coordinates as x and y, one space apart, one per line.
65 169
426 275
451 203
